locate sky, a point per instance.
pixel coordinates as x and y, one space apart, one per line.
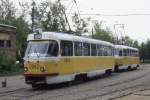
136 24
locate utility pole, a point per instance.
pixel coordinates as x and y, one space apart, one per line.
122 26
92 33
115 41
32 15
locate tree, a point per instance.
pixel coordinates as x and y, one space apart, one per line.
49 16
7 12
126 40
102 34
142 52
135 44
22 32
80 24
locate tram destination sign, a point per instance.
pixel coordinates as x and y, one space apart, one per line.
37 36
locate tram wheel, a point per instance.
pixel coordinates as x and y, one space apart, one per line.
108 72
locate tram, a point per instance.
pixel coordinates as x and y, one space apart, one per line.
126 57
53 57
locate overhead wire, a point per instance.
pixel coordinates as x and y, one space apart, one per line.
98 14
77 8
70 9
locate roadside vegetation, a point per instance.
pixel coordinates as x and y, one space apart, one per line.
8 66
50 17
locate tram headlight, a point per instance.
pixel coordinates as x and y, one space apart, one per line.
42 69
25 69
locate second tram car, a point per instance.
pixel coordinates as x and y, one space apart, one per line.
53 57
126 57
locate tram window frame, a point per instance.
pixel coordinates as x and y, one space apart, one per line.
63 46
86 49
78 49
93 50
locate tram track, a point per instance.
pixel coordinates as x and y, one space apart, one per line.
65 91
101 88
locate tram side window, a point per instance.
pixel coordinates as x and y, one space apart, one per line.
125 52
93 49
110 51
131 53
86 49
105 51
120 52
100 50
66 48
78 48
137 53
128 53
116 52
53 48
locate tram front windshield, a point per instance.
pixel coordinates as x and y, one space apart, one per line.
42 49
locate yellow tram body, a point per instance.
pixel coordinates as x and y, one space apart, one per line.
70 65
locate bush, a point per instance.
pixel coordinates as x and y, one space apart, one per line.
8 65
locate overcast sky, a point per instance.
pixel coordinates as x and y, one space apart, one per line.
136 26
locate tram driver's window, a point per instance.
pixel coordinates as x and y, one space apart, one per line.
53 48
66 48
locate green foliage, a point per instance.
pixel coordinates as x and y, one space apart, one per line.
145 51
49 16
22 32
103 34
80 24
7 12
8 66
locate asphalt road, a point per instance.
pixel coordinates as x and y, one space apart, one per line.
111 87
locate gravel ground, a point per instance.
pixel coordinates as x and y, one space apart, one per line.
118 86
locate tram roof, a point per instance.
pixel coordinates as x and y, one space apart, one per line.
65 36
126 47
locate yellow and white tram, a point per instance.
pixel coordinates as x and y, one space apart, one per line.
126 57
53 57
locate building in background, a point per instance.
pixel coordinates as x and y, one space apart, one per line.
8 40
